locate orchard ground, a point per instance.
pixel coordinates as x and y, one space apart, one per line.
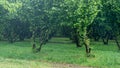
58 53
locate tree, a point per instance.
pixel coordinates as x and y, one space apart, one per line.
42 19
10 14
88 11
3 14
80 14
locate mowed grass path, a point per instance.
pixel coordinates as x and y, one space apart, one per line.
63 53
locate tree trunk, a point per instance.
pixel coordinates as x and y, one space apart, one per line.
33 40
88 49
78 45
117 43
76 38
39 49
107 37
86 42
105 42
96 38
77 41
33 36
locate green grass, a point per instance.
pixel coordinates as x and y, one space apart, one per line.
105 56
15 63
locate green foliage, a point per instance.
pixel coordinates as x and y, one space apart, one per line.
16 30
87 10
11 7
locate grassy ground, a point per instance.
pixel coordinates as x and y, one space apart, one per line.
20 54
16 63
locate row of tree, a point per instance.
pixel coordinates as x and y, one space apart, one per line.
80 20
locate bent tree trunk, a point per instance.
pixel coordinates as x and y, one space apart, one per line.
86 42
88 49
116 40
106 39
39 49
